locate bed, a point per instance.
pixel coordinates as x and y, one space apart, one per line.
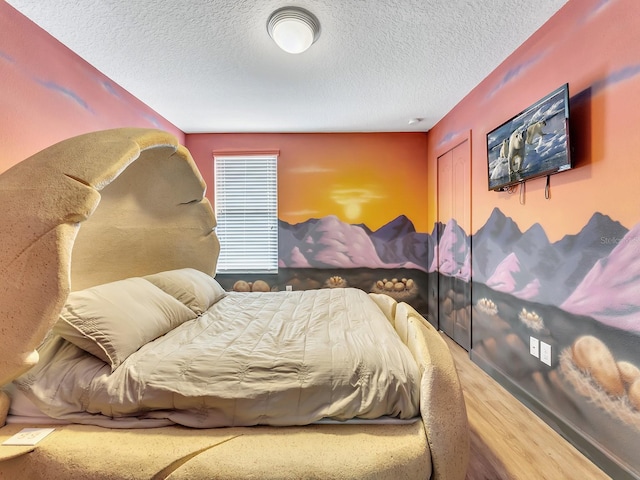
115 332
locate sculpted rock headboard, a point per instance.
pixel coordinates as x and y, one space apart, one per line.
60 204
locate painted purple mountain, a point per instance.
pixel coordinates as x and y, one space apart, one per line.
505 258
531 290
590 273
609 292
331 243
453 253
507 278
580 252
502 279
398 227
538 263
492 243
547 273
398 242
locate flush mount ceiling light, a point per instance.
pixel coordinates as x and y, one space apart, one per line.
294 29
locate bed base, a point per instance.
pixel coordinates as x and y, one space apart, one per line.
62 204
316 451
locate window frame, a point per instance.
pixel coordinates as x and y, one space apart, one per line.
249 246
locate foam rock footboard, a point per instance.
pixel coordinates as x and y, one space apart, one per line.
4 407
347 452
442 405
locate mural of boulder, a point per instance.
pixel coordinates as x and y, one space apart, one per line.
402 290
256 286
590 368
336 281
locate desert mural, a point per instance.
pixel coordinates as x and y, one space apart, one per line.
579 296
327 252
360 209
352 210
561 266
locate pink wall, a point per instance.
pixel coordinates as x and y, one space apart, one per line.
592 45
49 94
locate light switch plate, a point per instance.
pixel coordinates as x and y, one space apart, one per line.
534 347
545 353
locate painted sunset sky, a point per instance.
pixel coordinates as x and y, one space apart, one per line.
362 188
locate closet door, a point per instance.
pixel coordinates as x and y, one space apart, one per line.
453 250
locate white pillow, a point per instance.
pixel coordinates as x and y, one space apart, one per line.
113 320
196 289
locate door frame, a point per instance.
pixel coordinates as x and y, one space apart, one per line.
435 290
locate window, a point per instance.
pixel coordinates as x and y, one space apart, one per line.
246 205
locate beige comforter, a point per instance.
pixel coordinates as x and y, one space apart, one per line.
286 358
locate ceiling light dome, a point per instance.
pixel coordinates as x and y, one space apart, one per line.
294 29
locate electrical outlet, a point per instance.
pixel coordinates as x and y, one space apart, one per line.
545 353
534 347
289 288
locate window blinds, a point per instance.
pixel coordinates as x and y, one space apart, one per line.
246 205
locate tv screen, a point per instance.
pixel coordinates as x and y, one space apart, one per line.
533 143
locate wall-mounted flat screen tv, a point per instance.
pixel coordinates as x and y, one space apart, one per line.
533 143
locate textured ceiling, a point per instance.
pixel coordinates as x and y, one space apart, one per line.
210 66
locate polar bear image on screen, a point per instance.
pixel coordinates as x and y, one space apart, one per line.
516 151
535 130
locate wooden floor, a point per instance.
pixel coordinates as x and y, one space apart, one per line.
508 441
